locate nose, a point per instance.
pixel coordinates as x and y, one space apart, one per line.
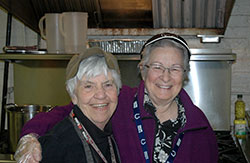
100 93
166 76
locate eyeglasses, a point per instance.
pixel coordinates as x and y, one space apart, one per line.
160 69
88 86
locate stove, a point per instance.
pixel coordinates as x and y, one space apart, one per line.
5 155
4 142
229 148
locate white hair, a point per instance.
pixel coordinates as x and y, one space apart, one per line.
92 67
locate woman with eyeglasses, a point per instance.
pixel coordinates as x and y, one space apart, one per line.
157 121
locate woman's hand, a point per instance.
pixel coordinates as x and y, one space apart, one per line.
28 149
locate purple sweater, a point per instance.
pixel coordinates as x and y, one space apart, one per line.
199 141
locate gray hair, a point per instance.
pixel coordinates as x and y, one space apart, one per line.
92 67
166 43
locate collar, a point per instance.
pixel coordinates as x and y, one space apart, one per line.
149 107
97 134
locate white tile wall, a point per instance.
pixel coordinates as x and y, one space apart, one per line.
20 36
239 27
237 38
3 20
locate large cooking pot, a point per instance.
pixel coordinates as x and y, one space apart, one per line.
17 117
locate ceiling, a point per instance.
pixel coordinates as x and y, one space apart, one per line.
198 15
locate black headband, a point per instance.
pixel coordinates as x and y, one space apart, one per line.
170 36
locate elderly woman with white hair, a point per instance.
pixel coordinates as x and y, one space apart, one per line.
93 83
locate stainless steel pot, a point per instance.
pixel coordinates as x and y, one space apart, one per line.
17 117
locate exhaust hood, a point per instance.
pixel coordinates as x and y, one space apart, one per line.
191 16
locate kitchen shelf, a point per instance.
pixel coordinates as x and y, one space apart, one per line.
197 55
35 56
38 74
13 56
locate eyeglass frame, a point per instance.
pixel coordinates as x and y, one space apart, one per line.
109 83
163 69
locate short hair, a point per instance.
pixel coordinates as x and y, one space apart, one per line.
166 43
92 67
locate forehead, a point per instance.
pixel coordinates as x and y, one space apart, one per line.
165 54
101 78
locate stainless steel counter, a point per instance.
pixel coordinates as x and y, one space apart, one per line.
6 158
245 146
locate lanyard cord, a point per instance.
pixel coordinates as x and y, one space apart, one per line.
140 130
111 150
88 154
142 138
176 147
85 135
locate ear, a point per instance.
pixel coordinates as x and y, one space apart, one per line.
142 70
74 99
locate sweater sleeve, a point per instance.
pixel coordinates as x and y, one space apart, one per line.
52 150
42 122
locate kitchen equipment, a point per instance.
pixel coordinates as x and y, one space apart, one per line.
17 117
23 50
209 84
73 26
229 148
52 35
